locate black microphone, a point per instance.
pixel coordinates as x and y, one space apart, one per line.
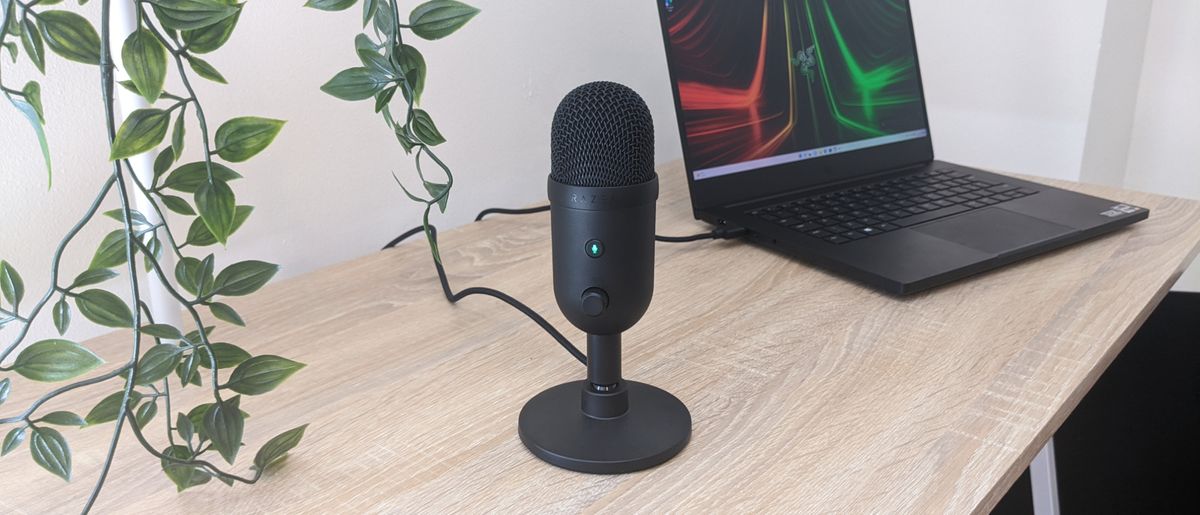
602 190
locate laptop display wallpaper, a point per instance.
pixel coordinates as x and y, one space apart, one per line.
778 78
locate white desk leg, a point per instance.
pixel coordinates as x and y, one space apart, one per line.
1044 478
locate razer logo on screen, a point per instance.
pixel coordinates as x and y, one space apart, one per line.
669 4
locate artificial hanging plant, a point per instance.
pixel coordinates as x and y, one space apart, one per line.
389 65
171 36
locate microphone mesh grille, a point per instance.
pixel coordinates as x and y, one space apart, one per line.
602 136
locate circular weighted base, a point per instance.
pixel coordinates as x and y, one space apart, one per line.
654 429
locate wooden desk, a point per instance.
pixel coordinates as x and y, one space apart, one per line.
808 393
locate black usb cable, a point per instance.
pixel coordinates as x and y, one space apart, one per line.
453 297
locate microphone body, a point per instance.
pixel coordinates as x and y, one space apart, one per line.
602 190
603 253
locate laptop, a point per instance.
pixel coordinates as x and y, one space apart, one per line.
804 122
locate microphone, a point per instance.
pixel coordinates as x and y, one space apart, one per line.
602 190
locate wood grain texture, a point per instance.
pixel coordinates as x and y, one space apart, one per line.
808 393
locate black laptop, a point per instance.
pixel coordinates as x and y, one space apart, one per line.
804 122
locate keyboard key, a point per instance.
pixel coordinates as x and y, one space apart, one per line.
887 227
854 235
974 205
931 215
1001 188
836 239
805 227
870 231
819 233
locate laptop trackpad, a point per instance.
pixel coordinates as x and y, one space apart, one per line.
994 230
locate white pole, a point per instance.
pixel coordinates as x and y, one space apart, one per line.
162 306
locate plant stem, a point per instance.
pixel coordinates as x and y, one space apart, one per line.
106 88
54 265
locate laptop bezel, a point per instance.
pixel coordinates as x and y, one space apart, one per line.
798 175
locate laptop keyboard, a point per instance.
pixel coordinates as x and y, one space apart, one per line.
864 211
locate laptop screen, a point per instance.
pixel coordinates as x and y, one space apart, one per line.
766 83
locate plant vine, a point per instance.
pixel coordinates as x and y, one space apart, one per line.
389 65
175 31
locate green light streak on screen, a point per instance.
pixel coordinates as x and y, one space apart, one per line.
868 85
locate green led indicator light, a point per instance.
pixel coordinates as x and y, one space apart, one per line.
594 248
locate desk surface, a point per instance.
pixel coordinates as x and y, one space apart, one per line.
808 393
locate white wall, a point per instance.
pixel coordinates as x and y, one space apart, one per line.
1010 85
1164 156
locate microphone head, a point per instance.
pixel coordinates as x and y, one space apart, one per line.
602 136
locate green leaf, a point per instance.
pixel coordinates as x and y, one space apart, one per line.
70 36
368 12
192 14
188 178
178 205
141 131
384 97
31 40
187 371
184 476
145 413
206 70
412 65
330 5
31 114
436 191
355 84
228 355
12 440
226 313
134 216
33 95
165 331
261 374
163 162
109 407
55 360
277 447
49 449
241 138
112 251
363 42
93 276
217 206
437 19
104 308
244 278
187 274
157 363
200 236
63 418
154 253
62 316
384 20
212 37
224 424
378 64
12 50
5 389
145 60
11 285
177 134
424 128
183 425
